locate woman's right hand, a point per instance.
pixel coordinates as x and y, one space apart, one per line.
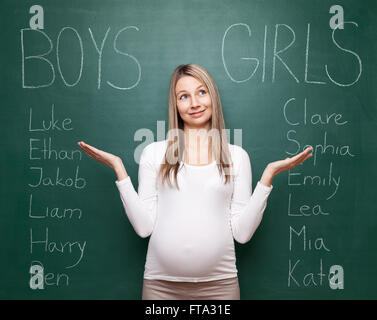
101 156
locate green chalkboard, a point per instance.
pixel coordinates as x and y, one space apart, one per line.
290 74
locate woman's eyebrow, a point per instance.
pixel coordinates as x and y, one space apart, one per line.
185 90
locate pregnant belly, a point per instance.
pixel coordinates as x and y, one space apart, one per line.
192 251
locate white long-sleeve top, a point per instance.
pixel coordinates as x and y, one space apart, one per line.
192 229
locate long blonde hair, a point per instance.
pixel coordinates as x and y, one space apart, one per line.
176 142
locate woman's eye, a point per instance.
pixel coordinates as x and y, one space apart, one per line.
184 96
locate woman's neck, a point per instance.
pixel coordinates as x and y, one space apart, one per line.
197 146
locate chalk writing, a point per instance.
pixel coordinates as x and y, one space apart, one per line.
277 55
74 36
42 242
55 213
43 175
76 182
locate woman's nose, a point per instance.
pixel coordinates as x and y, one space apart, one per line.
193 101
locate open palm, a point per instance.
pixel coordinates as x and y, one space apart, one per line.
99 155
289 163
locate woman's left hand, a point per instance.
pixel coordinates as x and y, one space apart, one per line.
276 167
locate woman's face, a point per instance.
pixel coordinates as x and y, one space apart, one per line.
193 102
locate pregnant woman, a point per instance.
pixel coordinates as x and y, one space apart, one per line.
194 195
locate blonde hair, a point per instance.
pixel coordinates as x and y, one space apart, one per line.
176 142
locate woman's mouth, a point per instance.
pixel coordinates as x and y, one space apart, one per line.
197 114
